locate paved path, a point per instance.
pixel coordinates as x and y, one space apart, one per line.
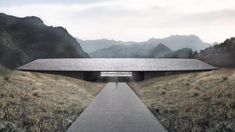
116 110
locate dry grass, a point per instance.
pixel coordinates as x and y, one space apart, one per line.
42 102
192 102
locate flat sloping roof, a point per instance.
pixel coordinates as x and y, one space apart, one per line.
122 64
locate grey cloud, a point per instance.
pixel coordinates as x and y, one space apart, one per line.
221 15
111 11
27 2
200 19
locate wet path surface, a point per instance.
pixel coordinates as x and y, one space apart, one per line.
116 109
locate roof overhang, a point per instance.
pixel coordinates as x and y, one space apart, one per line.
119 64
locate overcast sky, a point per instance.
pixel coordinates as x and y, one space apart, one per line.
132 20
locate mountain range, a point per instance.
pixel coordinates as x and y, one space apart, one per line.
174 42
131 51
93 45
217 54
103 48
25 39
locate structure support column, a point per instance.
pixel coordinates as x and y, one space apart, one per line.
138 76
91 76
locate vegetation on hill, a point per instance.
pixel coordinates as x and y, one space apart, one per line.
42 102
192 102
25 39
221 55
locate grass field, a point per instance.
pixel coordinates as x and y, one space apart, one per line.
42 102
203 101
195 102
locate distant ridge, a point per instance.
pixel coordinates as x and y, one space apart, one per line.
174 42
131 51
93 45
105 48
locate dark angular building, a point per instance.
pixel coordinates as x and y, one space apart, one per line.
139 69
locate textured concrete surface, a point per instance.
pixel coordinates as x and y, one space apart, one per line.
124 64
116 109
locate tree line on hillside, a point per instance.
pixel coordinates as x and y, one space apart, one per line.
220 55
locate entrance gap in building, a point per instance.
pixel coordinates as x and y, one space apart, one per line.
116 74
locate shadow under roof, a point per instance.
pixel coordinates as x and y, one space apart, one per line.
120 64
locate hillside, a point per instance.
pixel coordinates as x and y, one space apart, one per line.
221 55
25 39
192 101
32 101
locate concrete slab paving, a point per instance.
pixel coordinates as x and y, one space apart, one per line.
116 109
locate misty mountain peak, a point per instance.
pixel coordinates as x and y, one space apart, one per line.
162 46
159 51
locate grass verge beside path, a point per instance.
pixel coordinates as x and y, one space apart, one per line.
42 102
203 101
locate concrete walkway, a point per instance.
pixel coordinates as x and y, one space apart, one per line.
116 110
